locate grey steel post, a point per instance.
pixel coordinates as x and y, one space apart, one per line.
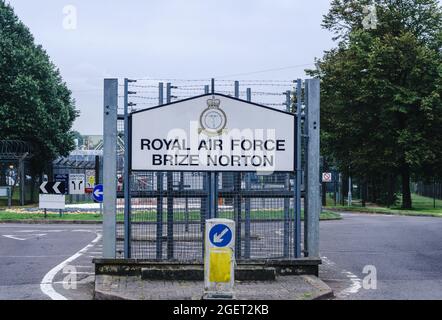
159 227
21 166
247 205
313 195
298 173
237 200
236 89
286 229
9 189
349 199
170 244
126 176
206 202
110 167
213 178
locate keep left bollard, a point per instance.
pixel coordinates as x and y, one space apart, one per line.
219 259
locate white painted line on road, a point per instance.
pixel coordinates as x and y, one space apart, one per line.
80 272
355 285
28 231
86 280
27 237
46 284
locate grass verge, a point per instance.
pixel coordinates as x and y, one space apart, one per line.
422 206
150 216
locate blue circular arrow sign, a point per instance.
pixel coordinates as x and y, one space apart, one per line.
98 193
220 235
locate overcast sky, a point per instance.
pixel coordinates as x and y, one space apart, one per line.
190 39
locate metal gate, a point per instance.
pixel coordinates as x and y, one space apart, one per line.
166 211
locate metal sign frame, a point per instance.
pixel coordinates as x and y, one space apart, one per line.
312 179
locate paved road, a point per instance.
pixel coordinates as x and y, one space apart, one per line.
406 252
28 252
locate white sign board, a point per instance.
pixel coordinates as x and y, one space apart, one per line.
326 177
4 192
76 183
52 201
212 133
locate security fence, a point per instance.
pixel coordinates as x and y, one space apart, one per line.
426 189
85 162
167 212
15 172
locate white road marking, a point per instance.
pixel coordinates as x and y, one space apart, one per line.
46 284
86 280
29 231
80 272
24 237
356 283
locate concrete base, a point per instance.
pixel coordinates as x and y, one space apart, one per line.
193 270
135 279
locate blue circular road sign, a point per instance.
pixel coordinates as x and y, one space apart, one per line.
220 235
98 193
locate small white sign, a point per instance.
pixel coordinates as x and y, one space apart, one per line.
52 201
326 177
76 183
4 192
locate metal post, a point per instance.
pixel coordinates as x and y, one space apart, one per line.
349 199
286 230
159 231
9 197
298 173
22 181
237 198
110 167
126 176
313 195
206 203
160 93
170 244
236 88
247 206
213 85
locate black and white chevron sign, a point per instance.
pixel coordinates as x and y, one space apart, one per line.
58 187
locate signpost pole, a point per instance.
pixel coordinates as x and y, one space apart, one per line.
237 199
247 201
170 244
159 231
313 177
110 167
287 187
9 197
298 173
127 196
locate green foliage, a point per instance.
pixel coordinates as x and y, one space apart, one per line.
35 104
381 92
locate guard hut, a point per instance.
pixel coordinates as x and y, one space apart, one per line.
205 156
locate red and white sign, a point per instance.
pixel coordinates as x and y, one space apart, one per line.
326 177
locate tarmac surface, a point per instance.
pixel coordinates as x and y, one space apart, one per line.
403 254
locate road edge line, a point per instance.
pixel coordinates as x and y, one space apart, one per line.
46 284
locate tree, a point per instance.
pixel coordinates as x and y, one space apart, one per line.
381 91
35 104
